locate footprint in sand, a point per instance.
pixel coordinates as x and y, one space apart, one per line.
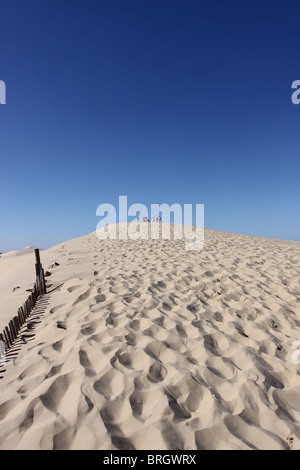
72 288
55 393
100 298
86 364
82 297
110 385
157 372
56 308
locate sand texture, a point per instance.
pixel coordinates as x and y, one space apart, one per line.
140 344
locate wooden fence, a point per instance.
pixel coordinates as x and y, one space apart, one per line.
11 332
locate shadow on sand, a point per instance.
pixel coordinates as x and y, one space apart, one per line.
27 332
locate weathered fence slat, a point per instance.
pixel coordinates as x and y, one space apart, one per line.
9 338
11 332
15 327
23 315
20 316
17 324
6 340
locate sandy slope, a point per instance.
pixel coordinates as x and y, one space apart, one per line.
142 344
17 273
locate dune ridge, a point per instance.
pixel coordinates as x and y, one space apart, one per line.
140 344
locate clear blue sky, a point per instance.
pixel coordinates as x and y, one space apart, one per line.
163 101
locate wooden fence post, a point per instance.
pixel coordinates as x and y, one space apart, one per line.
22 315
6 339
10 332
39 271
17 324
37 261
1 348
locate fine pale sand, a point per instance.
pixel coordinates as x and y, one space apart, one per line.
140 344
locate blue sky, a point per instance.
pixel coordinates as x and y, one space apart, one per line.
163 101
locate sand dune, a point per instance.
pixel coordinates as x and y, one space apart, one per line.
144 345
